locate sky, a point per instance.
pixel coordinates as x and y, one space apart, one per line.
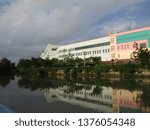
27 26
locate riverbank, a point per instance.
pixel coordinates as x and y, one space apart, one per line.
141 74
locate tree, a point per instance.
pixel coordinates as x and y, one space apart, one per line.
143 56
6 66
96 60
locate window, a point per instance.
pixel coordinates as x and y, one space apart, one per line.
118 55
108 50
143 45
120 93
118 48
110 97
120 101
113 56
54 49
112 40
127 102
107 97
122 47
112 48
130 103
127 46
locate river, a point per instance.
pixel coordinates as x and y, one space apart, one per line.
74 95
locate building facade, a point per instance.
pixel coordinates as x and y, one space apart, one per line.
127 101
92 48
122 45
83 98
117 46
50 52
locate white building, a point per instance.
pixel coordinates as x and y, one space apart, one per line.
92 48
50 52
101 102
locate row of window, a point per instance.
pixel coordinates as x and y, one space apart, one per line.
86 47
123 47
95 95
112 48
93 52
62 56
127 46
93 46
88 53
126 102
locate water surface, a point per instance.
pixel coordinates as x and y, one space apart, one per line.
76 95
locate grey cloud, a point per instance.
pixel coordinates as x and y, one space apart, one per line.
118 26
31 24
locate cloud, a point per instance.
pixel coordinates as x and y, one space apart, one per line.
31 24
118 26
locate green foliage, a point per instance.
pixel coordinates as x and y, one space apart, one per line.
144 57
127 70
143 98
6 67
79 61
95 60
98 69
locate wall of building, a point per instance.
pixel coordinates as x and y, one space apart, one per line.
92 48
134 35
125 101
124 98
50 52
123 44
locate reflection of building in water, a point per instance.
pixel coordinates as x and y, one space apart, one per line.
101 101
126 101
104 96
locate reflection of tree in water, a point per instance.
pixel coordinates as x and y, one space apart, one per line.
77 84
38 83
97 90
5 80
130 85
143 98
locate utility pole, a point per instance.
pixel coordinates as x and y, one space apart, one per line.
84 53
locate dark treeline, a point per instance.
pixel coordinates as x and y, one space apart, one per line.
37 67
7 67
